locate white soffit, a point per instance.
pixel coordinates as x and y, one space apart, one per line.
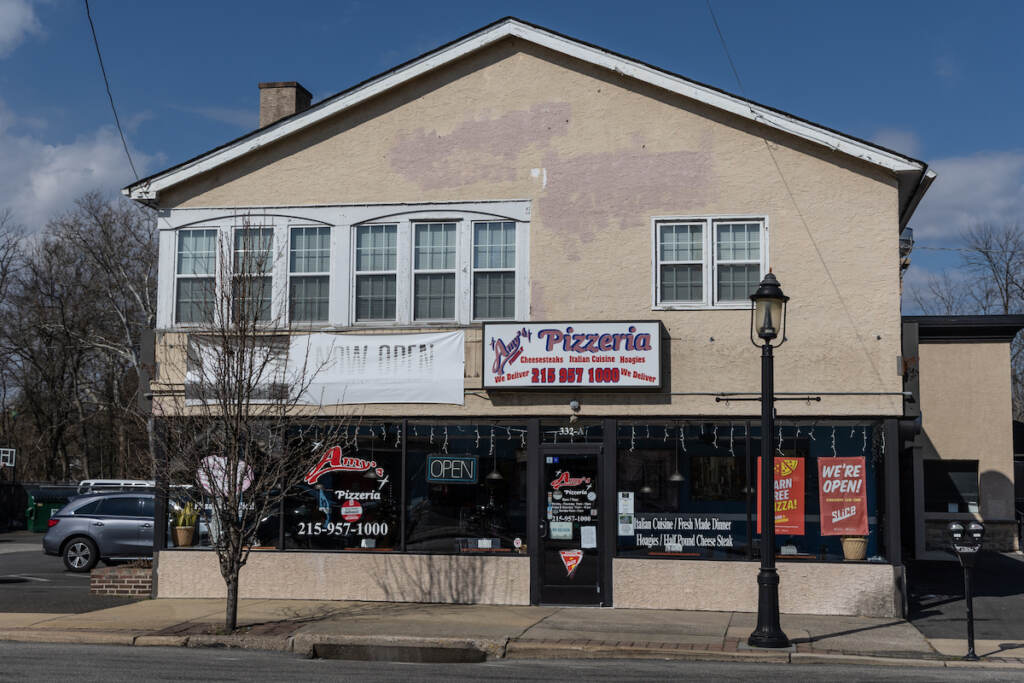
148 188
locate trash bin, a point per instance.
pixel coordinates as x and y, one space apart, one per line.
43 502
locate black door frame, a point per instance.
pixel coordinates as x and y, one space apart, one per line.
606 457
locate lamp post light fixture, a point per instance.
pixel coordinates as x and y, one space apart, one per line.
768 323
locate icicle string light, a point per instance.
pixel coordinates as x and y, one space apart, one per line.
398 436
477 430
810 432
444 446
648 431
522 437
682 437
834 454
732 451
665 440
491 450
714 437
632 438
431 434
778 446
864 447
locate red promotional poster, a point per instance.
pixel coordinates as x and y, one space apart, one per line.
843 497
789 496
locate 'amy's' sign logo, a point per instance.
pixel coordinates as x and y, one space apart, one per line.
451 469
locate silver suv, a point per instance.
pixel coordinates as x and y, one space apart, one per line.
107 526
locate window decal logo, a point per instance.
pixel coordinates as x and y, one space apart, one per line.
571 559
568 481
332 461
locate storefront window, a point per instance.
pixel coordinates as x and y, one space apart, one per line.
690 490
466 488
680 491
350 499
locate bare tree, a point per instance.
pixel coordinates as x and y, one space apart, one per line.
244 431
992 282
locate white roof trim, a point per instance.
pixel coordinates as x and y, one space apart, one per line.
875 155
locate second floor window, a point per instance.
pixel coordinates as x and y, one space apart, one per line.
434 271
494 270
195 281
708 263
376 276
309 267
252 274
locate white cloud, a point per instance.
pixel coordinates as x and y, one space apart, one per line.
987 187
41 179
901 141
17 21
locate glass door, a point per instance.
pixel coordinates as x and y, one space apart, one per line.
570 526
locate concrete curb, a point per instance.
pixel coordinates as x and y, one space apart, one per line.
84 637
425 649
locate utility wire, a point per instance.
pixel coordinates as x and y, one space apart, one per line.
796 206
106 82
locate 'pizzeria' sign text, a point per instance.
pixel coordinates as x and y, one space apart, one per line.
595 355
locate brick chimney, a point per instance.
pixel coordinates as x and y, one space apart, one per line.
280 99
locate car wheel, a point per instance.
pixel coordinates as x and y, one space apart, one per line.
80 554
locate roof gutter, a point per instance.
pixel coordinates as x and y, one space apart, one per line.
926 180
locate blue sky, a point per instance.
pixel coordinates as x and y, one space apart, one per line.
940 81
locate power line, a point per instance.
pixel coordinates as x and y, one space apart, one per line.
110 95
796 206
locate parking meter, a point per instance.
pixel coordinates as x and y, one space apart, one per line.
966 541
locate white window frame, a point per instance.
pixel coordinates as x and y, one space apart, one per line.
343 221
709 262
400 237
291 275
215 275
454 270
473 270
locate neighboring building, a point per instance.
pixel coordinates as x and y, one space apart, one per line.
961 464
491 195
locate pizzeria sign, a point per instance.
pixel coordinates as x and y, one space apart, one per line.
589 355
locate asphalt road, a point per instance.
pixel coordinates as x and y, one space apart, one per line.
33 582
24 661
938 609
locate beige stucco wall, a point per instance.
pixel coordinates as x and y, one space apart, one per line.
612 153
804 588
966 414
351 576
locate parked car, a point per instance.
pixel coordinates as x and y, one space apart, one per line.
107 526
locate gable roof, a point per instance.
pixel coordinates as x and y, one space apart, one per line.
914 176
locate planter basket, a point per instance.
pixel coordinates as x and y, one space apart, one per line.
855 547
183 535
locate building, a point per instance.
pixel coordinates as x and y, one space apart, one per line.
534 257
960 464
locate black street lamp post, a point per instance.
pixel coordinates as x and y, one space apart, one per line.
768 322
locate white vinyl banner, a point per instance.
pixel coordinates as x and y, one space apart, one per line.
594 355
335 369
380 368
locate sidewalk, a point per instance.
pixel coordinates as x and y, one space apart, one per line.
430 632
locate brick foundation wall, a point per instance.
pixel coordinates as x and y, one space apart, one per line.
126 581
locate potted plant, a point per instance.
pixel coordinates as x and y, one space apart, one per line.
185 525
854 547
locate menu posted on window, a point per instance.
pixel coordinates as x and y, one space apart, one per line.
843 496
789 496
